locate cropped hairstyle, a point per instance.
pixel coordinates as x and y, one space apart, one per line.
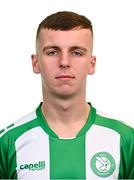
65 20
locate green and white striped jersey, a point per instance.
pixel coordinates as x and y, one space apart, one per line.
103 148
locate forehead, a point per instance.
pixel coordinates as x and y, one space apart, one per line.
65 38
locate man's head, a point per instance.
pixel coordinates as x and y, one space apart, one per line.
64 21
64 54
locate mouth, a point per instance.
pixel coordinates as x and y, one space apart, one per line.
64 77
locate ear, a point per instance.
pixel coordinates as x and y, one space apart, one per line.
92 64
35 63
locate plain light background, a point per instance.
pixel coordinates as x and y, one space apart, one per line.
110 90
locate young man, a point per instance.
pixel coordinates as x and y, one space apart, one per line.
65 138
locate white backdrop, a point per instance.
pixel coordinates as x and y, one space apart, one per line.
110 90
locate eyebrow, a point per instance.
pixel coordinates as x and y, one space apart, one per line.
50 47
78 47
71 48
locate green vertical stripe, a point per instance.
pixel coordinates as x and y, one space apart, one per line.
12 164
7 159
67 158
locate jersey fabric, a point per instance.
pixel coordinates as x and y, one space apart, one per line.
103 149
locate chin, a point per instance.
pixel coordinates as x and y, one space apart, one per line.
65 95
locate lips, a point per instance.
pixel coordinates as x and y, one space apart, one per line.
64 77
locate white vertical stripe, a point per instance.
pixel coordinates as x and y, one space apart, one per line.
32 147
101 139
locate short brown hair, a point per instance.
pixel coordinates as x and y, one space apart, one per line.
65 20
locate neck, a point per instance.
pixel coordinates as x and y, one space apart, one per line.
65 117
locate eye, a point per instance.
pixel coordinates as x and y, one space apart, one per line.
77 53
52 53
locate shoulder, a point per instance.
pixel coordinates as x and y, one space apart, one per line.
125 131
19 127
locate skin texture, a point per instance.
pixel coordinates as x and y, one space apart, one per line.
64 59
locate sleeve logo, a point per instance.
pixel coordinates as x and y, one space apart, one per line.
102 164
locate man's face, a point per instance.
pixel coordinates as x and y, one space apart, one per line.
64 58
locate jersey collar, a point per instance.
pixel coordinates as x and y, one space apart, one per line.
42 121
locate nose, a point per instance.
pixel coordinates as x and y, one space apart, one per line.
64 61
